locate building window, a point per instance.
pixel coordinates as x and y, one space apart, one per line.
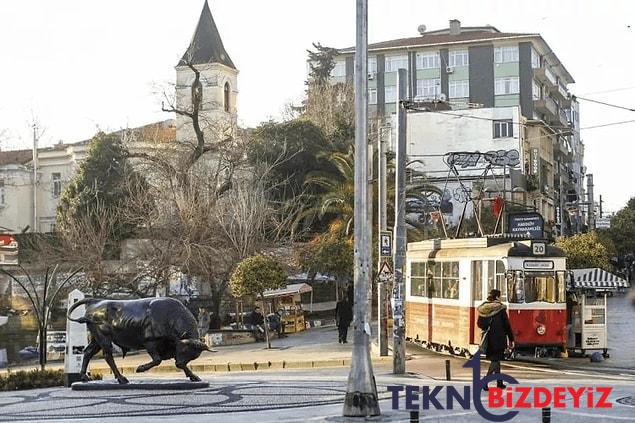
535 58
339 70
428 88
57 184
428 60
372 96
390 93
226 97
504 86
503 128
535 90
506 54
2 192
459 89
372 65
459 58
393 63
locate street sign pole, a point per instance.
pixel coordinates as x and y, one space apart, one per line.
382 297
384 281
399 350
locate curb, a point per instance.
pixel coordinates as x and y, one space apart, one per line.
239 367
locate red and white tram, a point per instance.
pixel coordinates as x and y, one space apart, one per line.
446 280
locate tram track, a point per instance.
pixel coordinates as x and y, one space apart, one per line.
529 367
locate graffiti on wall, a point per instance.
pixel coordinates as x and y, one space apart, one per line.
498 158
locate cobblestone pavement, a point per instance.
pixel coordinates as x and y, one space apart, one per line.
292 396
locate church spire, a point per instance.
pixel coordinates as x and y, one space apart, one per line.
206 45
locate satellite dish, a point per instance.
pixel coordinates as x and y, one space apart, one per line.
421 29
443 97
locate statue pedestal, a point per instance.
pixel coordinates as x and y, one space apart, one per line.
145 384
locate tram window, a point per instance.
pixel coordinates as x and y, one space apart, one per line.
496 277
515 287
434 287
450 281
545 288
418 279
477 280
562 287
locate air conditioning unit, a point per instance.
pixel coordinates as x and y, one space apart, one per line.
372 75
449 69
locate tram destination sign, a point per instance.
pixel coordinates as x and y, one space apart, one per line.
530 225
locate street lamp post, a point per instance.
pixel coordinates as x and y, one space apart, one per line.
361 391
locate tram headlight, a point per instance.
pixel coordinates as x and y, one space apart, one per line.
541 330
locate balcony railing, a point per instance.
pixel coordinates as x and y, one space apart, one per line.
548 107
546 76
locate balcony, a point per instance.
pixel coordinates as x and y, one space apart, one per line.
547 107
545 76
560 92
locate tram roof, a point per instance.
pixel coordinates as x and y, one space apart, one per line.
475 247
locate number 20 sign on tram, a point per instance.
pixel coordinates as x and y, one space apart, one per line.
448 279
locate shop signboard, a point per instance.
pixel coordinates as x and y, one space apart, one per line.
530 225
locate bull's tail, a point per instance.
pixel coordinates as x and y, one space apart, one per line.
82 319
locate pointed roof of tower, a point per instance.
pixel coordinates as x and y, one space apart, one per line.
206 45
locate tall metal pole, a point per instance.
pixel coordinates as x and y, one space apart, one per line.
399 350
35 165
591 200
382 318
361 392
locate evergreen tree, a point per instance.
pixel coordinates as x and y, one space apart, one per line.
104 180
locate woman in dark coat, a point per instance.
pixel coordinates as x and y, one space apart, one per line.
492 314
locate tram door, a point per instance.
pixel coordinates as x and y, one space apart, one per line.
476 297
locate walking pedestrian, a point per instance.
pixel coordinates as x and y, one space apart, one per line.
343 318
492 316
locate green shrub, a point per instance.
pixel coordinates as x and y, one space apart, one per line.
35 379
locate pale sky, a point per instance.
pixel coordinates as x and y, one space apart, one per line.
80 66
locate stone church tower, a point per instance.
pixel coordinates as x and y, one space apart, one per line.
218 83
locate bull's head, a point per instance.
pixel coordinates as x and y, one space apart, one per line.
189 349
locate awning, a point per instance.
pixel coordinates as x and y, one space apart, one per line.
595 278
294 288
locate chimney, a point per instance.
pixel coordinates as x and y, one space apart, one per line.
455 27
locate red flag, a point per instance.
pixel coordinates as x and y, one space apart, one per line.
498 206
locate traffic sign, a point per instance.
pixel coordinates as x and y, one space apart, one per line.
385 239
385 272
603 223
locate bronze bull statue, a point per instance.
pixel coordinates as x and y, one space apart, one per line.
161 326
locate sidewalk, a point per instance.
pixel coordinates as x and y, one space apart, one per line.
312 348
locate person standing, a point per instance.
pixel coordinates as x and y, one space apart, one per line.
492 315
258 324
343 318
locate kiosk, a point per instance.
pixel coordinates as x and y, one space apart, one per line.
587 307
289 300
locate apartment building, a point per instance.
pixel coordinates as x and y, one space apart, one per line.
483 68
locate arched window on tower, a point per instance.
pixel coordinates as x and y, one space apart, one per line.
226 96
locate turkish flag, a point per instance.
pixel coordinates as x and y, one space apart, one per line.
498 206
